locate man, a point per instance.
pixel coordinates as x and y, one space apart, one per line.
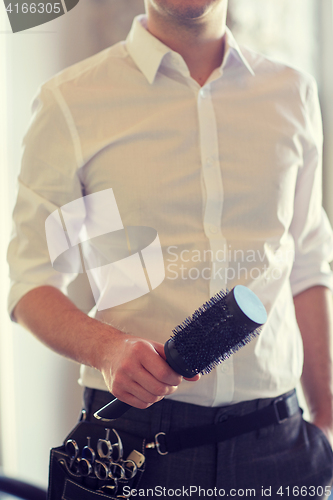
219 150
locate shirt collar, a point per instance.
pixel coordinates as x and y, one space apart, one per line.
148 52
232 48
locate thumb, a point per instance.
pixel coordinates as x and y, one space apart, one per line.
159 348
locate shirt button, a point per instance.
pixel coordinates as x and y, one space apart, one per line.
225 368
209 162
204 92
213 229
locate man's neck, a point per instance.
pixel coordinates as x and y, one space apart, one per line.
200 44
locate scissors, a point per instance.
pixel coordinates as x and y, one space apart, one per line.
88 458
72 450
104 446
129 467
116 471
101 470
118 446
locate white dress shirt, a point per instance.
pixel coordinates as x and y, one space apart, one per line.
228 175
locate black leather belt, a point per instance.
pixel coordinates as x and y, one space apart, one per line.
276 412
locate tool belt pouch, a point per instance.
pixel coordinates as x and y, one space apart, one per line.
96 462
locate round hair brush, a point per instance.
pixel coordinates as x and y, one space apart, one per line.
215 331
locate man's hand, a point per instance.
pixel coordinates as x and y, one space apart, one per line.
314 312
135 371
327 429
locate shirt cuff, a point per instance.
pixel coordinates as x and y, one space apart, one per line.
324 280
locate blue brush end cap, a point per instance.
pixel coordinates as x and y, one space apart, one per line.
246 307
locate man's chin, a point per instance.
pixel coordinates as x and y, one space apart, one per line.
186 10
190 13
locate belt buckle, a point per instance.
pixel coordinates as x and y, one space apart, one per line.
276 410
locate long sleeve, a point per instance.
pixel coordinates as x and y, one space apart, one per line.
310 227
48 179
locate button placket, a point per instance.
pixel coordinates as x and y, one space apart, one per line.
213 184
212 176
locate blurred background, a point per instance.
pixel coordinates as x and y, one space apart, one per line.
40 399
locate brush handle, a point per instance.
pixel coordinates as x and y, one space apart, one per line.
112 410
245 308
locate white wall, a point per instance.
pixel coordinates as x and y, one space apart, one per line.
40 398
326 91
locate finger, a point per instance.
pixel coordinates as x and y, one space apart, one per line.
193 379
159 368
146 396
159 348
136 402
145 355
137 395
153 385
140 383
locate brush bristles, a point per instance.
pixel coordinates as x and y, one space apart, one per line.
210 335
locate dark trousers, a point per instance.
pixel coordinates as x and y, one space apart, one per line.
286 460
